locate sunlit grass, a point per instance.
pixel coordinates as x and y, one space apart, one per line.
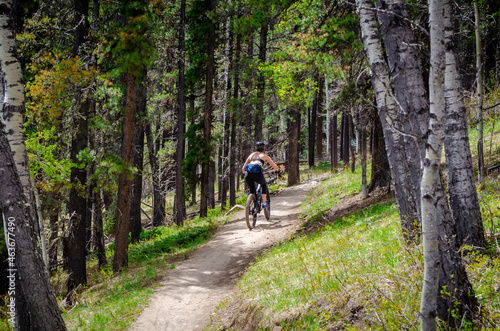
358 273
329 193
359 261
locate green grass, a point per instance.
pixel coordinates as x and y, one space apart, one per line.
358 273
329 193
112 305
359 261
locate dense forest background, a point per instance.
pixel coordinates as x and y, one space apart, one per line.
141 113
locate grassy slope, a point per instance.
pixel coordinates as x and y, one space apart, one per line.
357 273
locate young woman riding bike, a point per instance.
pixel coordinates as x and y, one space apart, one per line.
253 169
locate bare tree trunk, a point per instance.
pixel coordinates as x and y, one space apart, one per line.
333 142
261 83
158 201
480 97
312 117
179 205
345 138
362 135
120 259
409 87
432 190
135 212
319 121
352 136
205 168
462 192
211 184
381 174
99 229
293 147
74 243
27 267
446 291
233 172
54 237
400 172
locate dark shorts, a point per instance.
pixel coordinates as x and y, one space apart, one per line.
252 178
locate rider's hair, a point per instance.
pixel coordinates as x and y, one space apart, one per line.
259 146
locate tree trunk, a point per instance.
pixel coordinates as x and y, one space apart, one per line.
12 110
312 117
319 122
99 245
293 147
480 96
53 238
120 259
464 202
233 172
208 108
352 137
74 251
345 138
446 289
158 215
409 88
334 142
179 204
362 142
261 83
400 172
381 174
211 184
226 119
25 261
135 211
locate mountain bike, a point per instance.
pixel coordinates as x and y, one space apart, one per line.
254 206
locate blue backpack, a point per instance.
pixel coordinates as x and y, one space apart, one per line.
253 168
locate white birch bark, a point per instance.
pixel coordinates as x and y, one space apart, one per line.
13 101
12 109
431 177
388 113
464 201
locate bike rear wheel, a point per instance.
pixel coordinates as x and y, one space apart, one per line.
251 211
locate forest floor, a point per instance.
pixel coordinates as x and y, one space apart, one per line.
187 297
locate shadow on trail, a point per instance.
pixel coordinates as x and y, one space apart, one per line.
276 223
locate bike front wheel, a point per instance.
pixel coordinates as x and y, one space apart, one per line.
251 211
267 211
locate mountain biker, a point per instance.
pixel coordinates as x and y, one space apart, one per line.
253 169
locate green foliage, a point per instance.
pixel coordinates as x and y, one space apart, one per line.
131 47
196 42
47 165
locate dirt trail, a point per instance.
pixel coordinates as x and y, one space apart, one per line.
186 300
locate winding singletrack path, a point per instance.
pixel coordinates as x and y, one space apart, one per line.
187 298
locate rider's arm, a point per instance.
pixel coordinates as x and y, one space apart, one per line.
271 162
246 162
